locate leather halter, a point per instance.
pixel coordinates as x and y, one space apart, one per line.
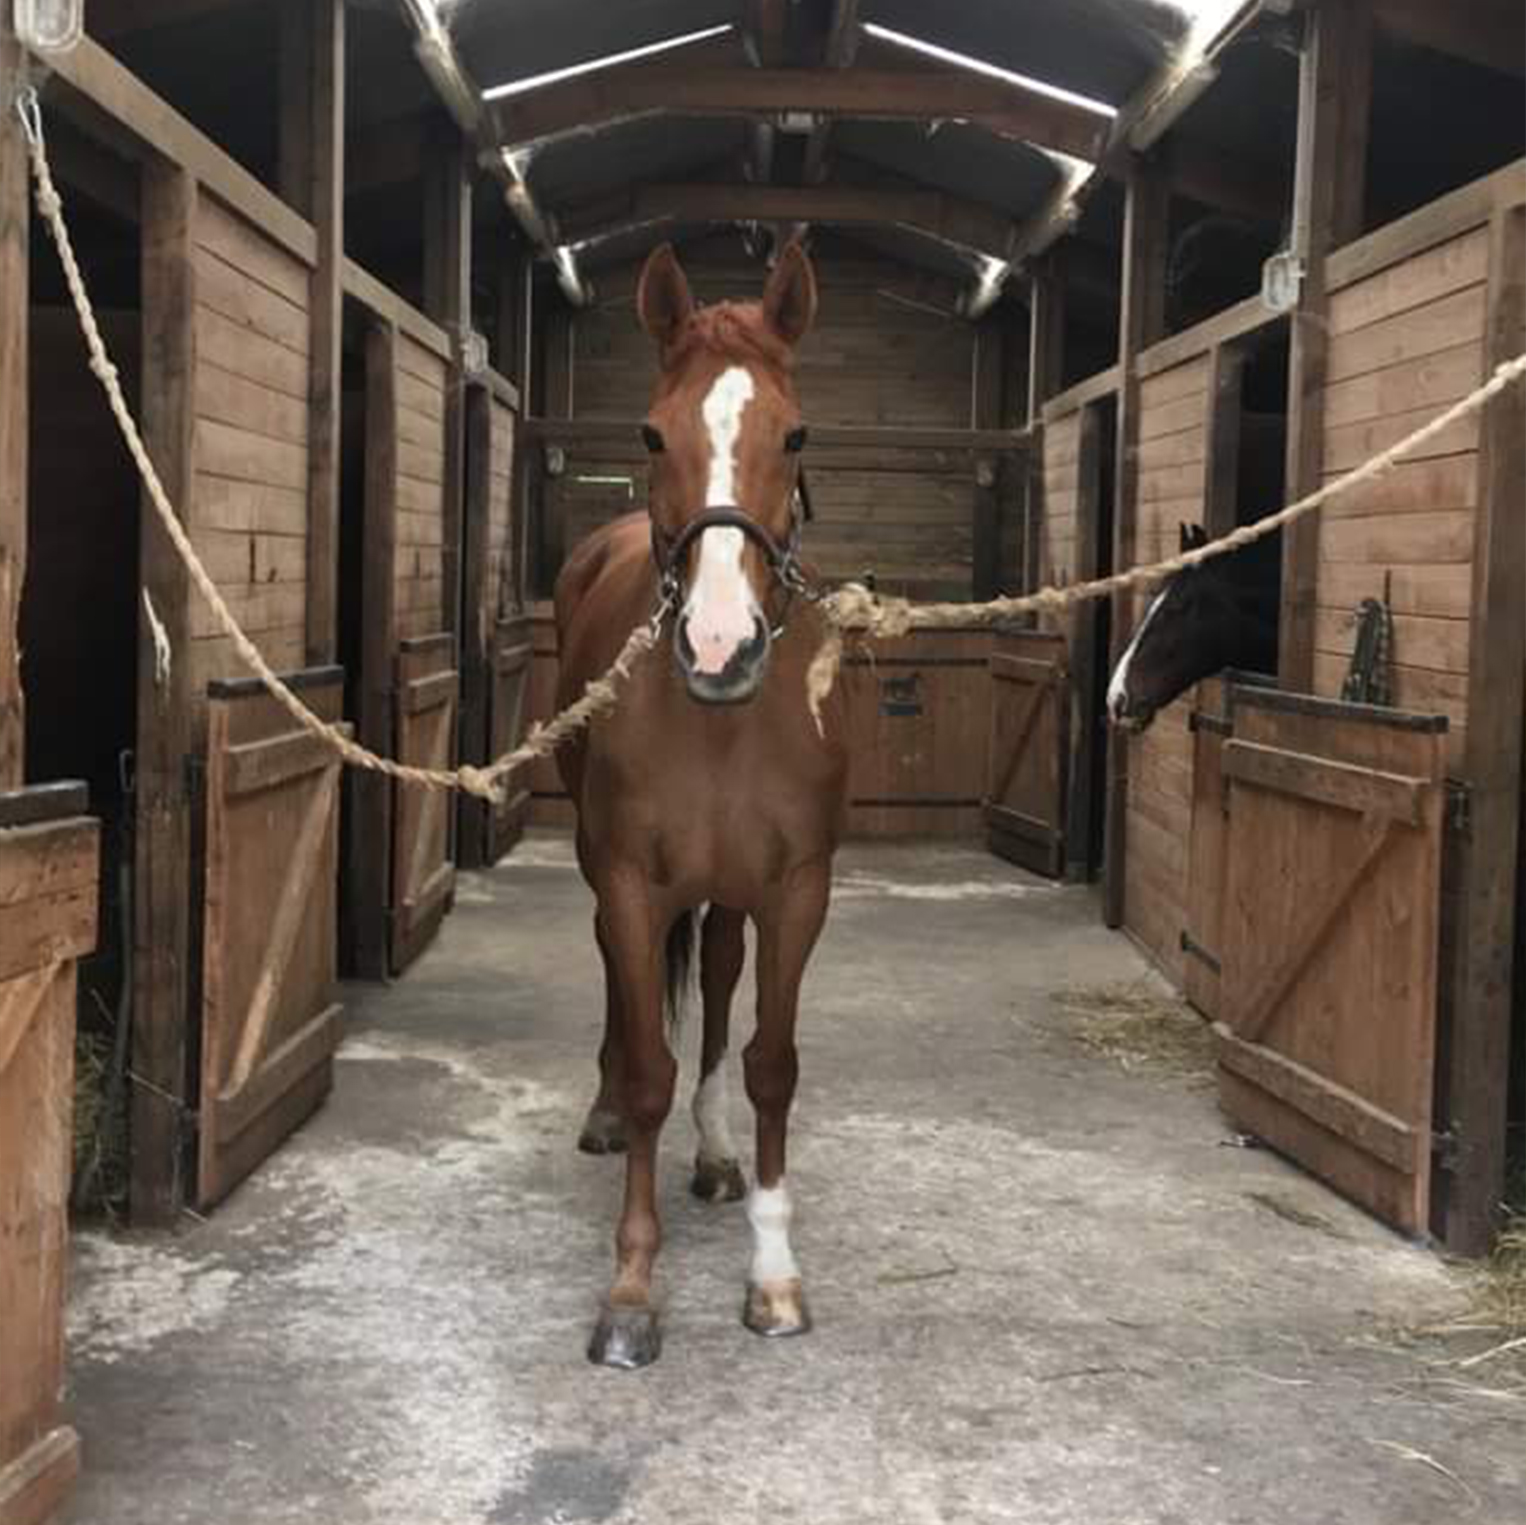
668 551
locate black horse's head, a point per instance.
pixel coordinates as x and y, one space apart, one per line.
1221 613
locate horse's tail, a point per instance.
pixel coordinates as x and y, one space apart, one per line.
680 961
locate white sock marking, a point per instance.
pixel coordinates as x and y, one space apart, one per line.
1118 688
712 1115
769 1212
721 608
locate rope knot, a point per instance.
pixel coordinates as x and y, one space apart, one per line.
481 782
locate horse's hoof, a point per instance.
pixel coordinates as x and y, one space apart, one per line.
603 1133
776 1309
625 1338
718 1180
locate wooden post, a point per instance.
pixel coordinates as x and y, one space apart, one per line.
561 335
477 625
985 413
1046 355
1221 467
1484 936
14 300
311 180
1329 194
523 485
1088 748
1142 320
162 931
368 869
447 299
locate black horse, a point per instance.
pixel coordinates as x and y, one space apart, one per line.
1222 613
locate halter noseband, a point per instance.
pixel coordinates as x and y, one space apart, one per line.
668 551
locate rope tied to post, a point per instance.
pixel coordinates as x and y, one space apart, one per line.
851 607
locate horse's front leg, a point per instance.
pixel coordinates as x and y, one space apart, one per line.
604 1128
717 1172
627 1334
787 932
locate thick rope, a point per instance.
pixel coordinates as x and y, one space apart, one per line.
851 607
486 783
854 607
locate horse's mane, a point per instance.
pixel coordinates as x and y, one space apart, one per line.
730 330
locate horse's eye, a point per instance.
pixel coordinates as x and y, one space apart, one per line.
652 439
794 441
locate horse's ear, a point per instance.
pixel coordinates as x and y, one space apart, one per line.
663 299
1193 535
789 298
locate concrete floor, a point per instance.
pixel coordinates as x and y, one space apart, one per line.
1044 1290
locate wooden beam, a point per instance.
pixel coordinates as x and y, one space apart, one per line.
1477 1065
15 205
448 301
1221 465
935 213
764 26
1329 192
368 864
473 815
1142 320
162 1013
1489 33
1046 335
883 94
312 178
838 51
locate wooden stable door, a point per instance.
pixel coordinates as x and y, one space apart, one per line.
508 712
423 867
1326 1038
1028 751
49 870
270 1023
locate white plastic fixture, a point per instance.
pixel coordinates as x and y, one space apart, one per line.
1281 281
49 26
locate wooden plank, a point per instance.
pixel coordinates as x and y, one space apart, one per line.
162 925
232 399
15 256
243 246
1334 108
1479 1029
1416 281
1440 325
1235 322
385 303
1221 466
97 76
1093 389
1369 792
35 1485
368 868
1469 206
477 623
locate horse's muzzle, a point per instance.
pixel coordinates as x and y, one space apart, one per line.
739 680
1128 714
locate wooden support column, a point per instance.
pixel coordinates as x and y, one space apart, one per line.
561 335
368 866
162 932
14 299
1483 941
477 630
447 299
985 413
1142 320
1046 369
1329 194
311 180
1088 745
1221 467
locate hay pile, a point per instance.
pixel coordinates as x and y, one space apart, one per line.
1140 1028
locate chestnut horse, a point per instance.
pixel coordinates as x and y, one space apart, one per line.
709 785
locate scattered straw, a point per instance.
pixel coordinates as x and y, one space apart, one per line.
1142 1029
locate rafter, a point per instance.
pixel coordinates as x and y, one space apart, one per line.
885 94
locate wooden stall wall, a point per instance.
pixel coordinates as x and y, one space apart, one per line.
1059 543
418 566
1173 427
249 517
1405 342
48 881
873 359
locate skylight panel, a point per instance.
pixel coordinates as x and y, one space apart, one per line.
991 71
594 65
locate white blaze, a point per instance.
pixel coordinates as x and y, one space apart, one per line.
712 1115
1118 688
769 1212
721 608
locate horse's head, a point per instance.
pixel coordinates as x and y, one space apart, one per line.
724 435
1191 630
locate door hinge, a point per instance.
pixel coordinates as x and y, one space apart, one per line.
1459 816
1445 1149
